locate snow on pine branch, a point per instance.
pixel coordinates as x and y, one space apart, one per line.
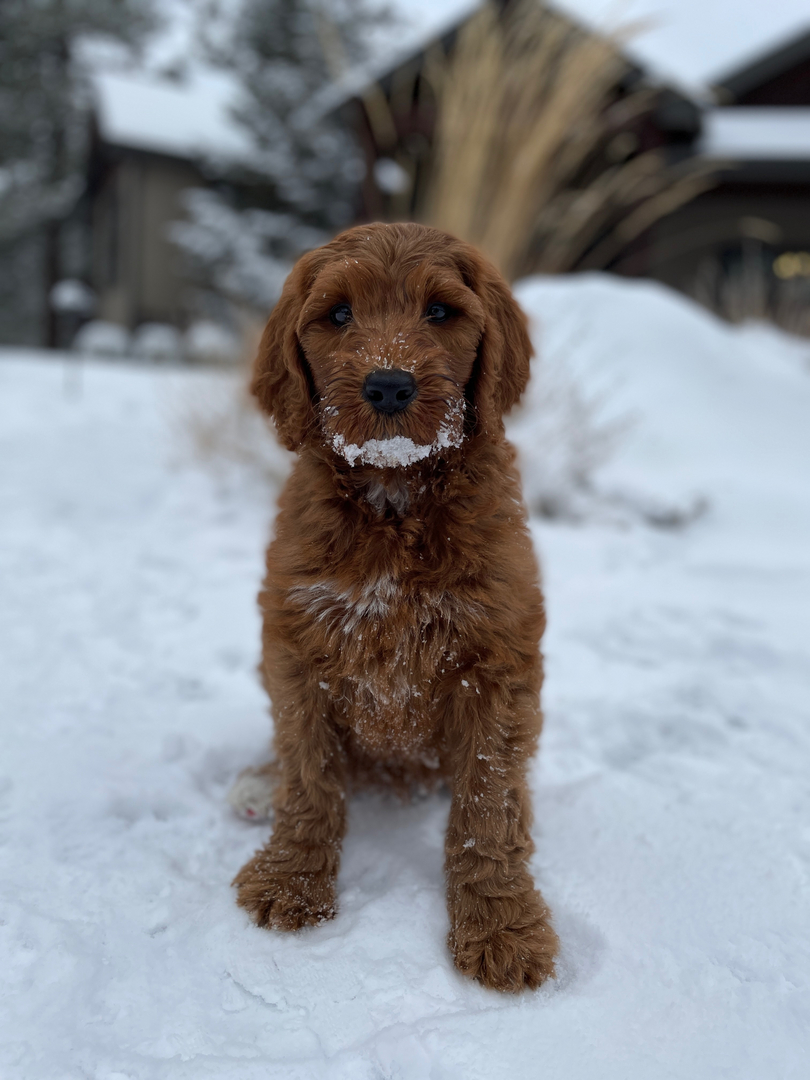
302 176
243 255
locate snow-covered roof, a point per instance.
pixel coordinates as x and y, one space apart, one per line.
693 43
756 133
414 24
686 43
185 118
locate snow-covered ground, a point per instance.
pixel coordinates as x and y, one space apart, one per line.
671 790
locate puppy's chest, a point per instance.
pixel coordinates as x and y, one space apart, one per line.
385 649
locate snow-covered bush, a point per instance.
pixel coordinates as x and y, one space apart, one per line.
106 340
243 256
604 346
207 342
71 296
304 167
157 343
284 53
564 429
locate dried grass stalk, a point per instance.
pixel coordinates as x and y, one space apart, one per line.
522 109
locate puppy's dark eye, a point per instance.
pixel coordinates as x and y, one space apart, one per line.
340 315
437 313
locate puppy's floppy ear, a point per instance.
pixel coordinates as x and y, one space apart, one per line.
281 379
502 367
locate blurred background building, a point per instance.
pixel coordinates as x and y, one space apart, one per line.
160 170
150 140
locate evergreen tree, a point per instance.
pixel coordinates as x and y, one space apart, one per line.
304 171
286 52
43 121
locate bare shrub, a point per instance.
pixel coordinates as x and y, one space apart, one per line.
563 430
218 425
567 426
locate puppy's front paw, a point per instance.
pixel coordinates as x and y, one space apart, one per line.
280 900
512 949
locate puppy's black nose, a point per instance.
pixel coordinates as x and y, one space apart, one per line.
389 391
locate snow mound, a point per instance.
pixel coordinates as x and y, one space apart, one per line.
208 342
671 791
72 295
158 343
102 339
644 402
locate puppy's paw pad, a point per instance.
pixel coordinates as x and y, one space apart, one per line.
510 960
251 797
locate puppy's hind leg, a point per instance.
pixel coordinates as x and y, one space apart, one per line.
251 796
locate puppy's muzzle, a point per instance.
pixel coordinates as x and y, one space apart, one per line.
389 391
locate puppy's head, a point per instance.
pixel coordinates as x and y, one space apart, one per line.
390 344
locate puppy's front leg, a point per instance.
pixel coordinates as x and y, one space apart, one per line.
291 882
500 926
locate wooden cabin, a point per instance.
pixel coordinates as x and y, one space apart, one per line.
757 217
152 141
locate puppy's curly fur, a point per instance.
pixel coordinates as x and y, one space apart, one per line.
402 609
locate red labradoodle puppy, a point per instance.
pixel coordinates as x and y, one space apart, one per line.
402 611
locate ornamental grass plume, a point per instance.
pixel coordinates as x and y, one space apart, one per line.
533 155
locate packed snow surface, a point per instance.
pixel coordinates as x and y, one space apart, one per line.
671 792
